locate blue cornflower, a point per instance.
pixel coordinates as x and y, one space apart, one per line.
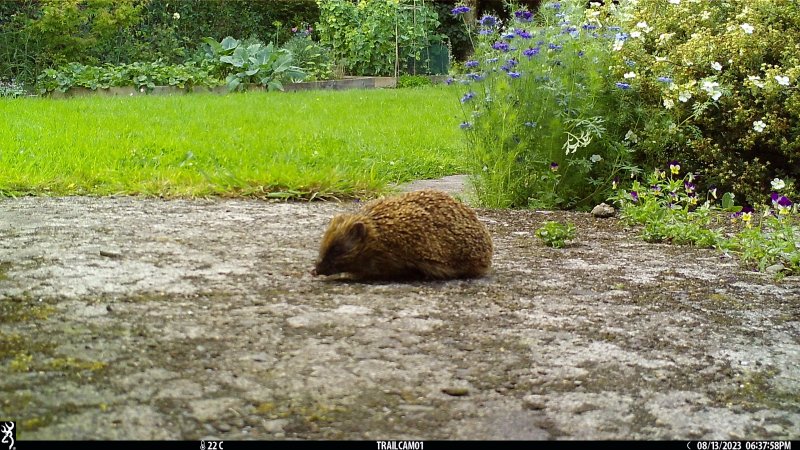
474 76
471 63
555 5
568 30
488 20
502 46
630 62
512 62
635 196
523 34
621 36
614 28
531 52
554 46
514 74
665 79
530 124
589 27
580 53
449 81
622 85
467 97
523 15
492 60
460 10
485 31
465 125
509 36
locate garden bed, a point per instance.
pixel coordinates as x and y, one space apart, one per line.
336 85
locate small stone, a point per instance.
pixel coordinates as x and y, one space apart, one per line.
275 426
110 254
603 210
456 391
775 268
534 402
224 427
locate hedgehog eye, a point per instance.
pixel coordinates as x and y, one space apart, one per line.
335 250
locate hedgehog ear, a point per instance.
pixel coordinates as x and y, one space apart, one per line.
357 232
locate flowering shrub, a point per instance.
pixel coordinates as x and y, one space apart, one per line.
540 116
715 84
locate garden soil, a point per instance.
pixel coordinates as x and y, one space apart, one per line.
132 318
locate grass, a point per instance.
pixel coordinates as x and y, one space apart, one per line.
294 145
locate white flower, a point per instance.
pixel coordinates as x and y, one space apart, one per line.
711 88
756 80
747 28
675 2
596 158
636 34
629 75
777 184
759 126
618 45
783 81
631 136
644 26
716 66
684 96
668 103
705 15
176 16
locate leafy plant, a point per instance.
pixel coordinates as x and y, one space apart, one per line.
254 63
139 75
540 117
311 57
411 81
555 234
370 37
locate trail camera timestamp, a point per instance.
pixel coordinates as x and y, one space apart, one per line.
742 445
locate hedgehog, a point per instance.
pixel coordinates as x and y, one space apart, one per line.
417 235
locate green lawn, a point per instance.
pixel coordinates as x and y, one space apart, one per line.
301 144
